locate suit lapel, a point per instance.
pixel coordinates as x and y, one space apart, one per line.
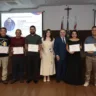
61 39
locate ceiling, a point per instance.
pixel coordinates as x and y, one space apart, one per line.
7 5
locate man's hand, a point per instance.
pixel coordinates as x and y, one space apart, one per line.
57 57
90 52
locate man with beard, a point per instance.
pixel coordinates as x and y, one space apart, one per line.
33 56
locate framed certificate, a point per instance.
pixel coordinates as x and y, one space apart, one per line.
74 48
4 49
33 48
89 47
18 50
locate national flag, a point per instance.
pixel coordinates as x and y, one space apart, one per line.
75 23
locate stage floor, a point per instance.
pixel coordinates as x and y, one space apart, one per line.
46 89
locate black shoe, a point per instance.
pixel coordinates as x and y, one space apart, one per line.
21 81
28 81
58 81
35 81
5 82
13 81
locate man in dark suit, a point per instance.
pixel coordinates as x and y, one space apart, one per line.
60 53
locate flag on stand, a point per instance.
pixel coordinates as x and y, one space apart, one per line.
75 24
62 23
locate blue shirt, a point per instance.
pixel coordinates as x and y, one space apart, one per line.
90 40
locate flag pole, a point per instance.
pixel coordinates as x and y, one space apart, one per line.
68 10
62 23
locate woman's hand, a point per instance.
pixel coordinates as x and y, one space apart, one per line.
71 52
40 56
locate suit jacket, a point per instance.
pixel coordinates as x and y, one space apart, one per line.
60 48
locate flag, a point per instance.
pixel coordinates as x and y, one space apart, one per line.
62 23
75 23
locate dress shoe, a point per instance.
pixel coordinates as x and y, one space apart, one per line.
35 81
13 81
21 81
5 82
28 81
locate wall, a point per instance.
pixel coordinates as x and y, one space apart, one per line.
53 15
83 13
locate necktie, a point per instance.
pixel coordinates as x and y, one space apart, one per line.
63 40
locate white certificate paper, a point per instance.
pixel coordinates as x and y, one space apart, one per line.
33 48
89 47
18 50
4 49
74 48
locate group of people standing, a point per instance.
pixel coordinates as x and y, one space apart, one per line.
56 58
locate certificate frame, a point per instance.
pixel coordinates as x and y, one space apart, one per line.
4 49
33 48
89 47
74 48
18 50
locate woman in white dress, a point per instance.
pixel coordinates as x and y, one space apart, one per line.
47 56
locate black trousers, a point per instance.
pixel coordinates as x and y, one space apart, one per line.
18 67
33 66
60 69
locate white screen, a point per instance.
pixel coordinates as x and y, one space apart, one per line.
23 21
